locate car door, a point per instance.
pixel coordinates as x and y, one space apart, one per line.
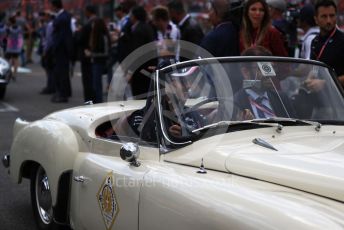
105 189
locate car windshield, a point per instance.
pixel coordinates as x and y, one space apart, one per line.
205 93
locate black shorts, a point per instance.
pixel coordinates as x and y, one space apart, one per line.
11 55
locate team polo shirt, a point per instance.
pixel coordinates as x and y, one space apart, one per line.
333 54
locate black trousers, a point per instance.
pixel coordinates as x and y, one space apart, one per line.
61 77
86 75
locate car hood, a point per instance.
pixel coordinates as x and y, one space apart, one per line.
304 159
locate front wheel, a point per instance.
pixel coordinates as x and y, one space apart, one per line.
41 199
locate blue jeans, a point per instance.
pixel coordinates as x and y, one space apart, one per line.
97 72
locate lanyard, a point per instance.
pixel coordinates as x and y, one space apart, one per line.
262 108
325 44
254 43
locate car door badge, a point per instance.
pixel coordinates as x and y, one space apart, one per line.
107 201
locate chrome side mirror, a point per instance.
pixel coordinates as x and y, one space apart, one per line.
130 152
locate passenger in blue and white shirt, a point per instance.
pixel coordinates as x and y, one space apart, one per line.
258 98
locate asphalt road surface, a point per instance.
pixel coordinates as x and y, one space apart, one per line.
23 100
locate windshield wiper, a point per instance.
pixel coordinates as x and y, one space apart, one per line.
278 126
316 124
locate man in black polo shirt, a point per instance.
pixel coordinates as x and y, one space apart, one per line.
328 46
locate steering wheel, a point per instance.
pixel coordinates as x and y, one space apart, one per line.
199 104
224 110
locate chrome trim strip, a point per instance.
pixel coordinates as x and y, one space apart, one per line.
160 114
80 179
245 58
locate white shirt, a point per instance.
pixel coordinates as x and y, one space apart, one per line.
183 20
121 23
60 12
306 41
73 24
169 40
172 33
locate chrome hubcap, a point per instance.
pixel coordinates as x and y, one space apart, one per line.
43 196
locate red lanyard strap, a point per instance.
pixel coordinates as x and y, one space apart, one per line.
325 44
262 108
254 43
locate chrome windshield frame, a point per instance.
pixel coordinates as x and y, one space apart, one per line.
221 60
161 119
255 58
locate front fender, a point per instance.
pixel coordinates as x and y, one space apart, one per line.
52 144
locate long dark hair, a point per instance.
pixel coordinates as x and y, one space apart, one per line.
247 27
99 31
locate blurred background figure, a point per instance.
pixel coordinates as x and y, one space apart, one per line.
124 40
115 31
328 46
99 53
190 29
120 13
47 58
61 50
257 29
3 35
167 34
84 44
284 19
223 40
141 33
14 44
21 22
76 28
307 24
30 36
277 9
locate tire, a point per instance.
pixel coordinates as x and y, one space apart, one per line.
41 199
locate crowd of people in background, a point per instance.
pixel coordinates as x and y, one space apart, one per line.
98 44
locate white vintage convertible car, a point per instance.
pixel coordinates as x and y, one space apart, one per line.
226 143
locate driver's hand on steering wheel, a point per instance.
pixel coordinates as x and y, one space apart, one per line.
314 85
175 130
245 114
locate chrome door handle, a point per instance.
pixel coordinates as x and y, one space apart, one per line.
80 179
